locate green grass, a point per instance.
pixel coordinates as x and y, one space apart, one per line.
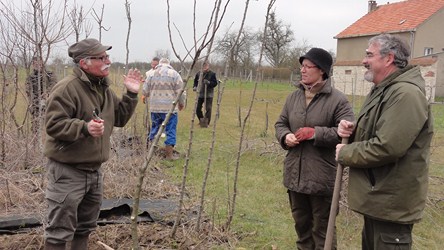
262 215
262 205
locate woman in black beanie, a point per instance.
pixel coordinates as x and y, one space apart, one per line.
307 128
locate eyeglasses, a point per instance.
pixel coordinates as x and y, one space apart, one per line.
103 58
369 55
307 66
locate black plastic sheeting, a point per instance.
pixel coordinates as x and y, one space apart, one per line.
119 211
18 224
112 211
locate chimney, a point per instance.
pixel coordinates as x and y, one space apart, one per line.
371 5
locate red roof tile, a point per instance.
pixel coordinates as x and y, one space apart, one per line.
395 17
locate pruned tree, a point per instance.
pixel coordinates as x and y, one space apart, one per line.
99 20
50 26
205 41
277 40
79 24
9 89
247 116
215 122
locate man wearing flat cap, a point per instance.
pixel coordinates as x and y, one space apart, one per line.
81 113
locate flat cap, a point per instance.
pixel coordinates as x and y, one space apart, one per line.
85 48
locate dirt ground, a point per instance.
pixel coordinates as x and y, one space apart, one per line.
151 236
22 192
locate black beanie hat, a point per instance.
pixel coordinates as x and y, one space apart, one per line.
320 58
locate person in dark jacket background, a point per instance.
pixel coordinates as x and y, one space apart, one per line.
81 113
38 85
307 128
206 93
390 147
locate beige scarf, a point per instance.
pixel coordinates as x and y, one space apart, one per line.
312 90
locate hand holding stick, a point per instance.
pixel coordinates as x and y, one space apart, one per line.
345 129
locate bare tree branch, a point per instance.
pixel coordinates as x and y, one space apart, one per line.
76 16
169 33
210 153
239 152
156 139
128 15
99 20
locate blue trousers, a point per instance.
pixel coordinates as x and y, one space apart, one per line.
170 128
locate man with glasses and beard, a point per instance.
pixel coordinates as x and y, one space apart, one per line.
389 148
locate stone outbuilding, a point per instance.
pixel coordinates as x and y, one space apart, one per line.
418 21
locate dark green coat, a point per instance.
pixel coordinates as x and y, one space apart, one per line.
389 153
70 106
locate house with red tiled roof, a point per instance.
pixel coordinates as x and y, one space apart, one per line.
420 22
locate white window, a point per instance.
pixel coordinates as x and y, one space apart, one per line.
428 51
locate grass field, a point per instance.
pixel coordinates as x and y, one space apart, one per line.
262 216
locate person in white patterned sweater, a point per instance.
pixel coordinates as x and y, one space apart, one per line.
162 87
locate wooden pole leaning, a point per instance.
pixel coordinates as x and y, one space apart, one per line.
334 205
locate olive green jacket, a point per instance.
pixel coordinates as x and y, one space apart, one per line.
70 107
389 153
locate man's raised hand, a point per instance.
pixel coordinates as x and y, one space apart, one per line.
132 80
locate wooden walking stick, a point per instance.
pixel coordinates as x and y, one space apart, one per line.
334 205
204 122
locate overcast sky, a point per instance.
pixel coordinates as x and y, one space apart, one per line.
316 21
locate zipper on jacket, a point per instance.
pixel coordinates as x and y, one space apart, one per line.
371 177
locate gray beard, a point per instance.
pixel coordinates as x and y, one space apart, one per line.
368 76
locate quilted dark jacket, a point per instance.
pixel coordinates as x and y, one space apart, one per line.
310 167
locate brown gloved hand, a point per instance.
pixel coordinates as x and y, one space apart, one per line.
143 99
305 133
